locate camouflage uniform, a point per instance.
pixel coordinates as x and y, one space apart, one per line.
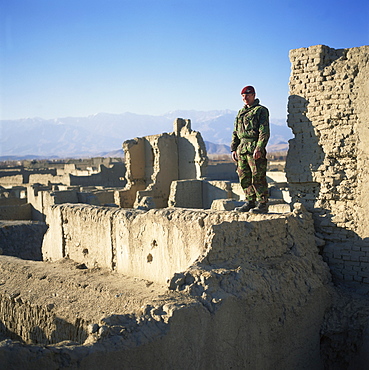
251 130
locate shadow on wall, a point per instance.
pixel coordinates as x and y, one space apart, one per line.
186 166
304 156
22 239
302 161
318 180
64 331
6 333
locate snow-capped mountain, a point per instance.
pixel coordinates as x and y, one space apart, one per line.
104 132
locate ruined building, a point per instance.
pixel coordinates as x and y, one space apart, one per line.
166 281
154 162
328 160
80 172
168 169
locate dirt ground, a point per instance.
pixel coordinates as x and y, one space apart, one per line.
72 291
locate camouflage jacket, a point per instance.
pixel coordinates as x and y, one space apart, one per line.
251 129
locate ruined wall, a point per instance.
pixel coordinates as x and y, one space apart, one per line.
245 291
41 198
156 244
22 239
109 177
222 171
107 174
153 162
192 156
40 178
11 180
18 176
150 245
328 160
161 168
12 201
200 193
16 212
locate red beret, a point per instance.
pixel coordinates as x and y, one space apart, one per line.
248 90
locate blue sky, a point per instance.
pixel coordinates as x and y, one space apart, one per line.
63 58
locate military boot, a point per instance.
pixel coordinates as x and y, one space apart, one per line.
260 208
246 207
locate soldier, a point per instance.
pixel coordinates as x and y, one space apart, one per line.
249 139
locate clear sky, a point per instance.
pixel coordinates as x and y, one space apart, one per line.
63 58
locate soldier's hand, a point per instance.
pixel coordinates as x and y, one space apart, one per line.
235 156
257 154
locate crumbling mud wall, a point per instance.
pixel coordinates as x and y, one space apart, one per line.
16 212
153 162
22 239
247 291
156 244
84 172
41 198
328 160
202 193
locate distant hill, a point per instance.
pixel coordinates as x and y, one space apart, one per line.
103 134
212 148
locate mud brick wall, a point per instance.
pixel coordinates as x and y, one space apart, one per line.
328 160
22 239
156 244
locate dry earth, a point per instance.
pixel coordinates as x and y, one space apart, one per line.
69 290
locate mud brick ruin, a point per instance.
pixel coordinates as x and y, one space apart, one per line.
328 160
155 162
157 271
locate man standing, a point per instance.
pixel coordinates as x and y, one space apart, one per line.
249 139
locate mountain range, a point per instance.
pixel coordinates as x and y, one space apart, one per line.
102 134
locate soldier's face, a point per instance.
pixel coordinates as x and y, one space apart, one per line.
248 99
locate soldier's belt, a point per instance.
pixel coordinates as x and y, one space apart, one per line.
249 139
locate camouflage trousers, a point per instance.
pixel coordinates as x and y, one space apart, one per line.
252 175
